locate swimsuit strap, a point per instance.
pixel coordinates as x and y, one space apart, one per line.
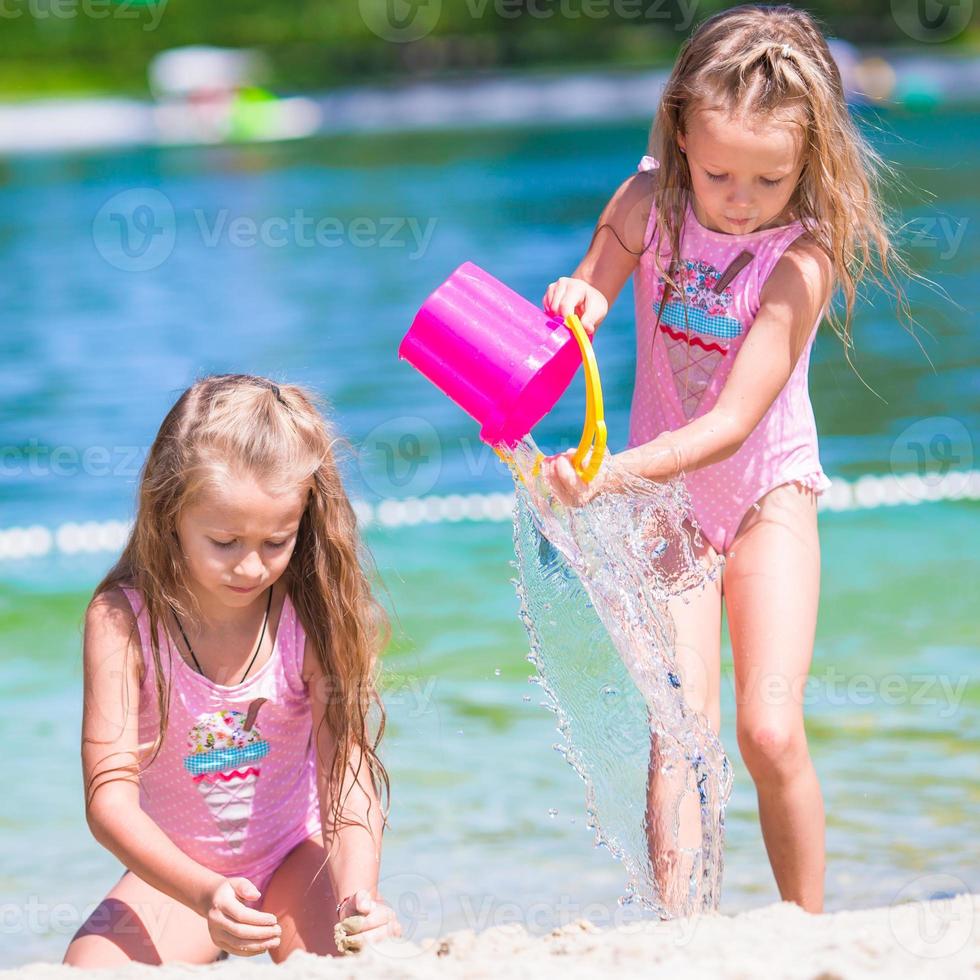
190 649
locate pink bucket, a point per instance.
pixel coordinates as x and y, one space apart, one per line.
499 357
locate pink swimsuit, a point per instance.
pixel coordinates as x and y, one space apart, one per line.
682 367
234 793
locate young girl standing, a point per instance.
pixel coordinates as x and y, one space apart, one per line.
762 197
229 659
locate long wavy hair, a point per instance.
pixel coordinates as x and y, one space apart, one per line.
756 61
234 423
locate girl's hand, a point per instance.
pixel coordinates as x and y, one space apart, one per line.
364 920
566 296
559 473
235 927
569 487
657 462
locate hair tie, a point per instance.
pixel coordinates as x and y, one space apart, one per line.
787 51
274 388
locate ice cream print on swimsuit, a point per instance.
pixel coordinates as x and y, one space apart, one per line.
698 330
225 748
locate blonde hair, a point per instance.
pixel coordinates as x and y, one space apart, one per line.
757 61
237 423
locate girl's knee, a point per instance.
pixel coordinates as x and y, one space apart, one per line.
91 951
81 956
135 923
111 936
772 749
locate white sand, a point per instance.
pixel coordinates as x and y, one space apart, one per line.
917 940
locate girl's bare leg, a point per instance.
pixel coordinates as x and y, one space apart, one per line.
772 588
136 923
300 896
672 796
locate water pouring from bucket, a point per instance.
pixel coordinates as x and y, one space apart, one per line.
505 361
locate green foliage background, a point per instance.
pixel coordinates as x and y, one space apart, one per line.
104 45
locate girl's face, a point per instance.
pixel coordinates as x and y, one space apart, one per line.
238 540
743 178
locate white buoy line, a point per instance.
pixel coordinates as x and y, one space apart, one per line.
867 492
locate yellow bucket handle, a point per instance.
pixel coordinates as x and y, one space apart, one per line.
594 431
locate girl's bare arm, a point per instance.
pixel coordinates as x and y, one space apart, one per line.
352 843
618 240
612 255
110 737
352 839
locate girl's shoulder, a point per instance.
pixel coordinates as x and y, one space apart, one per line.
110 629
810 259
644 182
117 599
802 279
110 602
628 210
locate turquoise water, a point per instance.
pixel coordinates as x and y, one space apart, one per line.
488 821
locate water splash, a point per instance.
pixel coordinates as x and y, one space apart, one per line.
594 584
